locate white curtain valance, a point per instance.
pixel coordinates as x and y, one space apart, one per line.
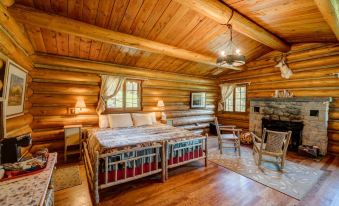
110 86
226 91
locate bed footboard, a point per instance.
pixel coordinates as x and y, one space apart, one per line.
186 151
115 168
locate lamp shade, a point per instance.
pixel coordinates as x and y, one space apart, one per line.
80 103
160 103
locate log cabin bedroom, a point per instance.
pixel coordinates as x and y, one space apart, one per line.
169 102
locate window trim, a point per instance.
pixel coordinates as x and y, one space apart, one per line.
234 102
124 108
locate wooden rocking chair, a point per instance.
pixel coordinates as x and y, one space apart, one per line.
231 140
272 143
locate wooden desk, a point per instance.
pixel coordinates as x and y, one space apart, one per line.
29 190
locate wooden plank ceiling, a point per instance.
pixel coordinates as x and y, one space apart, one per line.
296 21
171 23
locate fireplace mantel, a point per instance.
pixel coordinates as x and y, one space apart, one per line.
311 111
294 99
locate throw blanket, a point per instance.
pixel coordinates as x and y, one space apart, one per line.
114 140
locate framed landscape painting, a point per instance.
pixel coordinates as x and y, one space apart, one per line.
16 88
198 99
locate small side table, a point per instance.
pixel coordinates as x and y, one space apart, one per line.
73 137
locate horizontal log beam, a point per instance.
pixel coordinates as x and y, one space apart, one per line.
192 120
195 126
8 48
316 92
74 64
329 10
8 23
74 77
7 3
295 66
296 55
290 84
176 114
61 88
18 122
60 111
221 13
43 122
73 27
19 131
309 74
61 99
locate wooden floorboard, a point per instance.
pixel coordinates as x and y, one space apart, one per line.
195 184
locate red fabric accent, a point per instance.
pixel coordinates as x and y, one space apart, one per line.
129 173
188 156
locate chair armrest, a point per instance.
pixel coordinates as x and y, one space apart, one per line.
256 138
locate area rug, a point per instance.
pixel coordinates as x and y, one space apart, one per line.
66 177
295 180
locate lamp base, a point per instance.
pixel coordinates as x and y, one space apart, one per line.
163 116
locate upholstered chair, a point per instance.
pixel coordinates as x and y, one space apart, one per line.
272 143
229 140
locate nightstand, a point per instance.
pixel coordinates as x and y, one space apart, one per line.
167 121
73 138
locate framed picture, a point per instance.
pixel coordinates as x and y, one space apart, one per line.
16 89
198 99
3 65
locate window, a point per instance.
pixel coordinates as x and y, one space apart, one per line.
237 100
128 97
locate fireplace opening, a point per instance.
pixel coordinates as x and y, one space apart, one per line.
284 126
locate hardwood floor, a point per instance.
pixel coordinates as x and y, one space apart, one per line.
195 184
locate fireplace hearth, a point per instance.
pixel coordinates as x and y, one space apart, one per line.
306 117
284 126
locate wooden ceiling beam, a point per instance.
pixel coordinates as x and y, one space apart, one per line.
75 64
7 3
73 27
330 11
9 26
221 13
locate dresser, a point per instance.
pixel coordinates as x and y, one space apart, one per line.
35 189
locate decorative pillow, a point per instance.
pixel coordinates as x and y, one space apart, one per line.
103 121
120 120
140 119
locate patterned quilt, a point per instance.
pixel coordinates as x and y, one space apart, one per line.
113 140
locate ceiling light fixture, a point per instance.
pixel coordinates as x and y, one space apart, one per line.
231 55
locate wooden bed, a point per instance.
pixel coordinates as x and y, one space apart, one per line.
116 156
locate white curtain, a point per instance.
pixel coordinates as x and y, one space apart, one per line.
226 91
110 86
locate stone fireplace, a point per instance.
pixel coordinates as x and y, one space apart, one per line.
307 114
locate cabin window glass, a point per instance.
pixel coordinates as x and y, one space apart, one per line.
236 102
128 97
240 99
229 103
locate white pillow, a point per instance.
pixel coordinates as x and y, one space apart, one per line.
140 119
120 120
103 121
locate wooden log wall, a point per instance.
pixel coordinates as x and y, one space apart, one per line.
8 50
55 91
315 73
